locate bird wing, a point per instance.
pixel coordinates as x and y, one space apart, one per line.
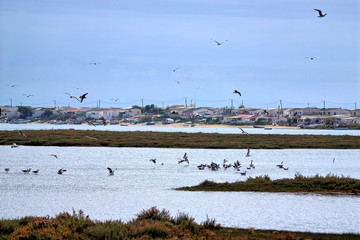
218 43
110 170
319 11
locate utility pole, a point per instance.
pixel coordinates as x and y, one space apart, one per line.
99 103
308 105
232 103
54 103
281 108
355 105
142 105
324 107
186 102
10 102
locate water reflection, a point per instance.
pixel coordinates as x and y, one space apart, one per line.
139 184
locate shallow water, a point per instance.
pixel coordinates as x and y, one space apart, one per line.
223 130
139 184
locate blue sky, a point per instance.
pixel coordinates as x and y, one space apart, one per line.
46 47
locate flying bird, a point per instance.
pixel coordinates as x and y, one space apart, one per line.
54 155
219 43
174 69
94 63
111 172
311 58
236 91
242 131
7 170
177 82
21 133
71 96
115 99
248 153
28 95
153 160
82 97
11 85
321 15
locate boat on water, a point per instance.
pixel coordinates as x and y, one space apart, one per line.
340 128
150 123
256 126
268 128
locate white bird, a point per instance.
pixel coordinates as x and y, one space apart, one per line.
111 171
321 15
14 145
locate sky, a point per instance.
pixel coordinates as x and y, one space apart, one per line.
47 47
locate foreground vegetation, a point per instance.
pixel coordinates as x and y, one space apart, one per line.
149 224
316 184
176 140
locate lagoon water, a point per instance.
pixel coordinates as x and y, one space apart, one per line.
169 128
139 184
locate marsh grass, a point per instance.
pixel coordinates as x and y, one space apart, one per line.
149 224
330 184
176 140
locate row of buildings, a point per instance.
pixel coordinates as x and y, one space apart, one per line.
297 116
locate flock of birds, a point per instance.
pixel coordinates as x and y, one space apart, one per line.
212 166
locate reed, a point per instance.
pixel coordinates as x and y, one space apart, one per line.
176 140
149 224
330 184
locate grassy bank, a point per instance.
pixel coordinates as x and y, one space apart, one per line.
176 140
149 224
316 184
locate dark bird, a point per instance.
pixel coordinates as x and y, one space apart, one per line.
311 58
111 172
11 85
174 69
218 43
243 173
104 123
177 82
115 99
21 133
7 170
184 159
54 155
242 131
26 170
265 112
82 97
248 153
36 171
94 63
334 160
321 15
236 91
153 160
173 112
28 95
61 171
281 165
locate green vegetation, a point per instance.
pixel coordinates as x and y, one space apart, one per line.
25 111
317 184
177 140
149 224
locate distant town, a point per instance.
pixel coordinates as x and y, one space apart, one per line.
310 117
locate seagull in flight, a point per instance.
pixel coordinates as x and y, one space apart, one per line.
21 133
311 58
54 155
242 131
248 153
174 69
236 91
94 63
111 172
71 96
28 95
11 85
115 99
321 15
219 43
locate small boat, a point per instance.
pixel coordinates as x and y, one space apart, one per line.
268 128
340 128
150 123
256 126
